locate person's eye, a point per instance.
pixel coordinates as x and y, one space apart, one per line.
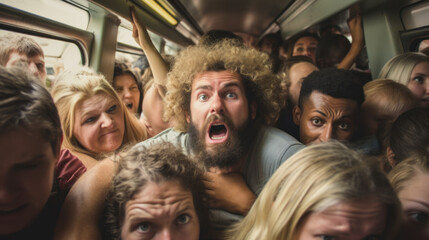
119 89
134 89
143 227
326 237
40 65
90 120
418 217
300 49
317 122
419 79
183 219
203 97
231 95
343 126
111 109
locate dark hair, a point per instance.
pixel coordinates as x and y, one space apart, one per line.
277 42
409 134
121 68
331 50
20 43
297 37
214 36
157 163
337 83
26 104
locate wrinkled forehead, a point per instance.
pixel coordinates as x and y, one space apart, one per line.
317 99
213 78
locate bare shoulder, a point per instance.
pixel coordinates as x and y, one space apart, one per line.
83 206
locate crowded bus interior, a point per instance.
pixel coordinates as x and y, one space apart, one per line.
214 119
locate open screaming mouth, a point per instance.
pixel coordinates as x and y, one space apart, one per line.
217 132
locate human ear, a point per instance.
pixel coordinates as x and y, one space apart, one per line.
390 155
296 114
188 117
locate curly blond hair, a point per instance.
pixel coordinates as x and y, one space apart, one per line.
254 67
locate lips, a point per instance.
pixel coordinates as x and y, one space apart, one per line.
129 105
11 210
108 133
217 132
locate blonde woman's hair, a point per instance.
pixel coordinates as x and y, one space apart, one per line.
315 178
260 84
77 85
400 67
406 170
389 95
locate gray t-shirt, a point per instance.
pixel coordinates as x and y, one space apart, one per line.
269 150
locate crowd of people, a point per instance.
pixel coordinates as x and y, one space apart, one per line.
226 142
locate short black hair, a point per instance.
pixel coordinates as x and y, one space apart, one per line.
337 83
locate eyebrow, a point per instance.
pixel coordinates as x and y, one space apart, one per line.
227 85
321 113
417 201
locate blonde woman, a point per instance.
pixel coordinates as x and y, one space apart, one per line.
94 119
409 179
412 70
323 192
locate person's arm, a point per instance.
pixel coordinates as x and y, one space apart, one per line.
80 214
156 62
356 30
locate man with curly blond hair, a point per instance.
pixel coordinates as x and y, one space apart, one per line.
223 98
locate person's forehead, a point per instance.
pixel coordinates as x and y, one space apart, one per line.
302 66
216 77
124 78
21 145
306 40
15 54
317 99
165 194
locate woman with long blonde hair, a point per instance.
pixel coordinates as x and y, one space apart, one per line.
323 183
94 119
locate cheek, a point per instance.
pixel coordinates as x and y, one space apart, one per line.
85 135
416 89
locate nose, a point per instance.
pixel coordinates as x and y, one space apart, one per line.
326 133
216 105
6 190
127 93
106 120
307 53
427 86
33 69
165 235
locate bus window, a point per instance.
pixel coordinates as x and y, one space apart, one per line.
59 55
55 10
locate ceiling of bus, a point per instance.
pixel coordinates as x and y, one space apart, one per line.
247 16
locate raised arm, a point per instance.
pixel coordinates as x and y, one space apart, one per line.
156 62
80 214
356 30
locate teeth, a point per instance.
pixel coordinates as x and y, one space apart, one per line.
217 138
